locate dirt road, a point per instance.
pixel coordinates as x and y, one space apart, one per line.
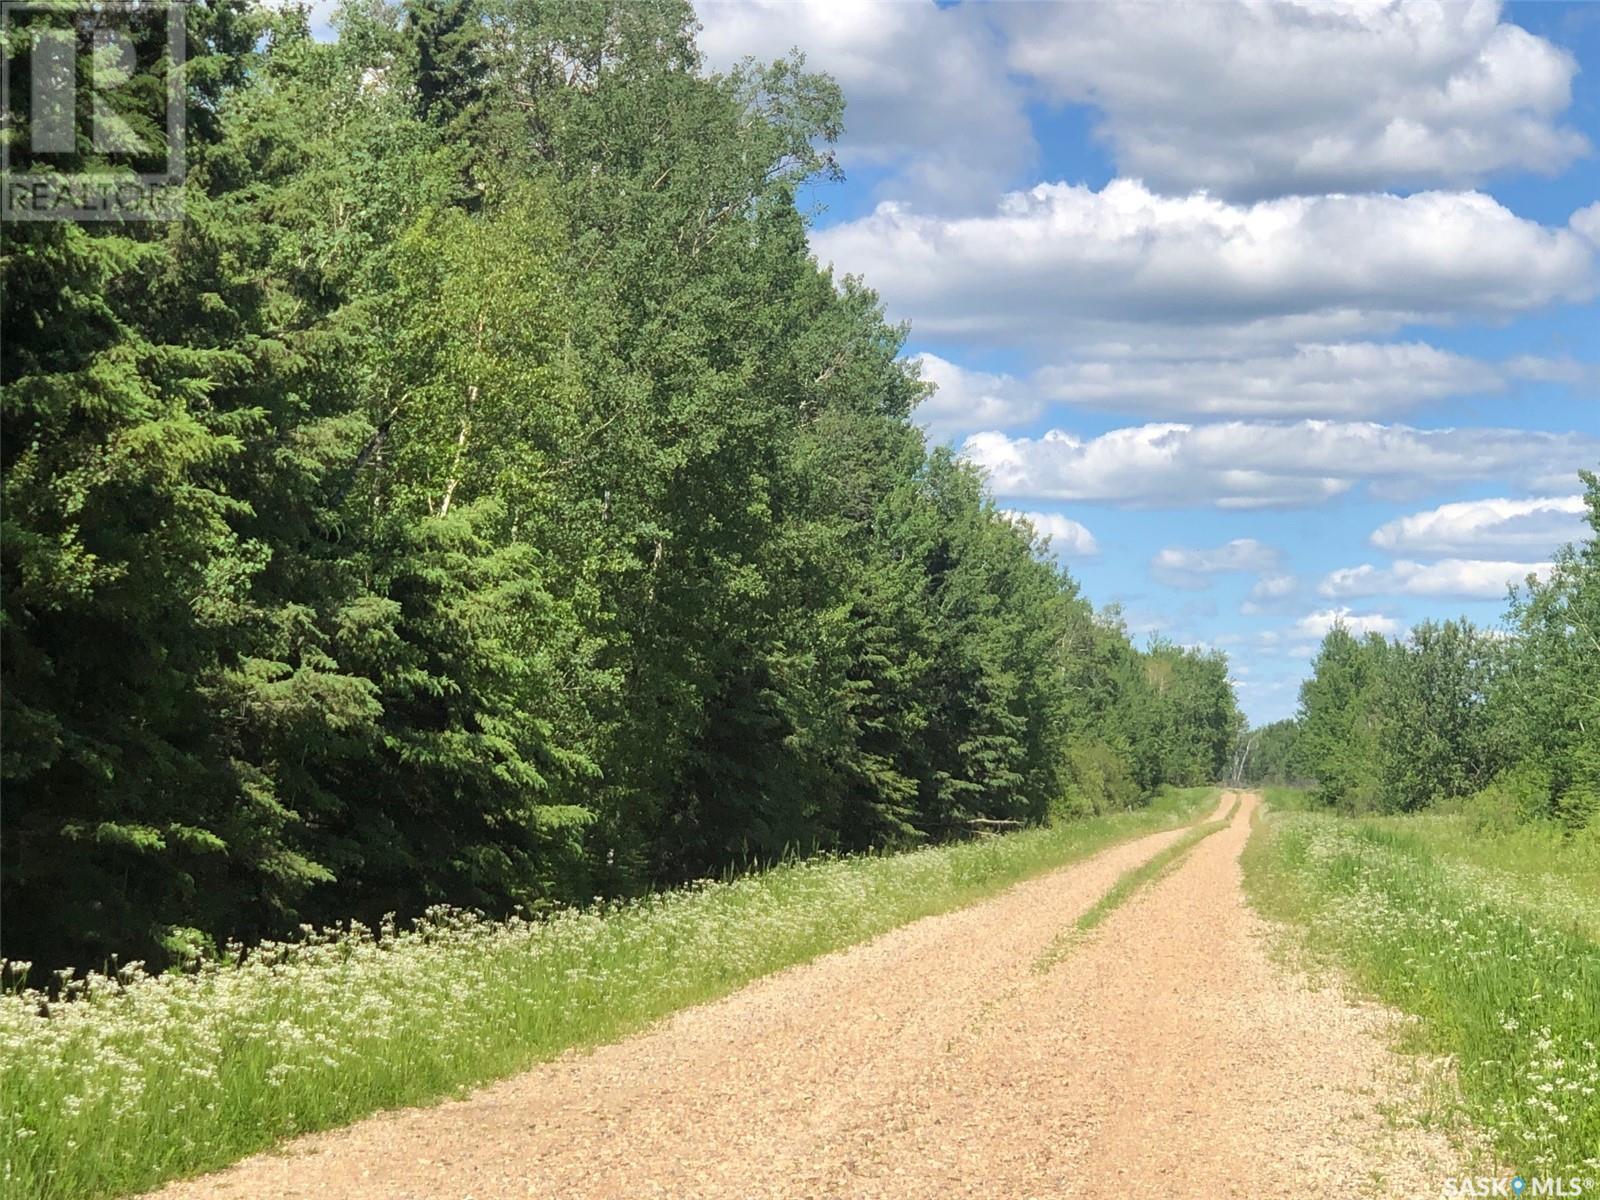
1166 1054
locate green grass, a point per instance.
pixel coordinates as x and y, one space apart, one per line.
138 1080
1508 990
1540 867
1282 798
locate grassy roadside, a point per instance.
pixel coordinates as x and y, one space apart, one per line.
1509 991
1553 877
1281 798
142 1079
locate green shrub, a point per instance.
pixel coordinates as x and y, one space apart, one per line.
1515 797
1099 780
1579 807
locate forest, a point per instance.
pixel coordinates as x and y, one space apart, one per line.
482 498
1505 720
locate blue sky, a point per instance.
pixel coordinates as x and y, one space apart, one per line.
1273 314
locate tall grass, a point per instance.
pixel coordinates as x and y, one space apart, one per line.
1281 797
1537 865
136 1079
1514 997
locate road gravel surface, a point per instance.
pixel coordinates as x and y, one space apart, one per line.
1167 1053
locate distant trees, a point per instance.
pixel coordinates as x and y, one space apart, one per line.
1270 754
1454 710
484 498
1144 718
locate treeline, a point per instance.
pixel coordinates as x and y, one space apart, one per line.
1510 715
482 498
1268 754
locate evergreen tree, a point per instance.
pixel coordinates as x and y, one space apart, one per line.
483 497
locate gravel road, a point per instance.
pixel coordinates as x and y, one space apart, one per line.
1166 1054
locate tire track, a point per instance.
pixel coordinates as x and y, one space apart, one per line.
1165 1054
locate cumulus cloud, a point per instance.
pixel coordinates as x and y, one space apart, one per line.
1269 97
1064 263
1274 587
1184 567
1318 624
927 91
1256 464
1269 699
1348 379
1352 379
1272 591
964 400
1461 577
1067 538
1342 379
1475 527
1587 222
1543 369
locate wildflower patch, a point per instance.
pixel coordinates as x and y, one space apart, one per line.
1515 999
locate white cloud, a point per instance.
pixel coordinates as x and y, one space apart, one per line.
1343 379
1245 464
1587 222
1269 97
1066 536
1271 591
967 400
1318 624
1063 263
1274 587
1352 379
926 88
1470 527
1274 643
1185 567
1463 577
1542 369
1348 379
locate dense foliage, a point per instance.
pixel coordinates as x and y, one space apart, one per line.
1267 755
1510 716
482 498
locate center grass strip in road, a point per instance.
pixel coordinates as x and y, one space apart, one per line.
146 1079
1170 1054
1135 878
